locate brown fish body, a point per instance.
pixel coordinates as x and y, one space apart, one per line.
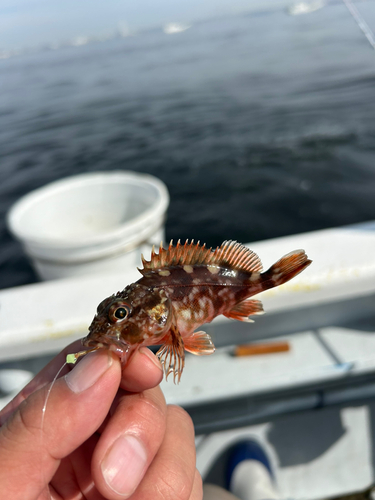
182 288
198 296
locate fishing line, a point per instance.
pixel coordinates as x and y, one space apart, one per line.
367 31
43 417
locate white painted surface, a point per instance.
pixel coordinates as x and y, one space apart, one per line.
352 345
343 265
209 378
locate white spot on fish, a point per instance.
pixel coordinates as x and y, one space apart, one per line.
202 302
196 281
164 272
213 269
276 277
200 314
254 277
186 314
188 269
230 273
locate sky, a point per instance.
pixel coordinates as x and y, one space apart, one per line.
33 23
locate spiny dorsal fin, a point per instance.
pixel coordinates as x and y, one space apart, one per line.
238 256
229 253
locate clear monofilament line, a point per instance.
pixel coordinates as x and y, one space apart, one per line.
365 28
43 417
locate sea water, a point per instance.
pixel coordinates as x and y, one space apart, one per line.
260 124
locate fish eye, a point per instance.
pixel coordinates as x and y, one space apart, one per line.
118 312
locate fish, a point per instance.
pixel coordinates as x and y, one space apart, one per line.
183 287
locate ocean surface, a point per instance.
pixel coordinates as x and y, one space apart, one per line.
261 125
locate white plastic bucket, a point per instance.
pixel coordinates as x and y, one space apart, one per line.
90 223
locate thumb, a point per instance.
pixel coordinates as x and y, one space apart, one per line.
38 436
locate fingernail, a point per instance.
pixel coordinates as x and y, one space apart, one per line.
124 465
151 356
88 371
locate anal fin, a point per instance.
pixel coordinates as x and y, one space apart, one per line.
244 309
172 354
199 343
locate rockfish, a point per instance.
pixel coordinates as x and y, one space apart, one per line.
181 288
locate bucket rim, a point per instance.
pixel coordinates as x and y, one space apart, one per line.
108 237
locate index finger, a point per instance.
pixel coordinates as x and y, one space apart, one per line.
143 371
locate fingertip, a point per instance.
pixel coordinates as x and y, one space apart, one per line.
143 371
145 351
88 372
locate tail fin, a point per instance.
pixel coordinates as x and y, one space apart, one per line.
286 268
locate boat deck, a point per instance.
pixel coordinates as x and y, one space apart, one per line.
312 406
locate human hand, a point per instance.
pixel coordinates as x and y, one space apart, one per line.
96 441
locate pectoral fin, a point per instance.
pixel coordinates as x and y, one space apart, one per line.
244 309
172 354
199 343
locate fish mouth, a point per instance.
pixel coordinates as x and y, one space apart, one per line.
113 344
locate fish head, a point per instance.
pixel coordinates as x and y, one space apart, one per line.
136 316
